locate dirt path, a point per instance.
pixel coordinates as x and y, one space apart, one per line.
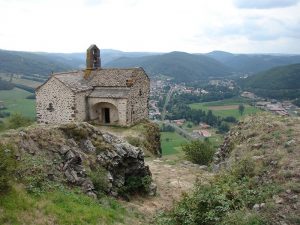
172 181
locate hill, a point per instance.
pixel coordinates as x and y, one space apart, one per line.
253 63
64 175
27 63
256 180
179 65
280 82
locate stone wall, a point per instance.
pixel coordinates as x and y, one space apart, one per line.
137 108
55 103
117 112
81 106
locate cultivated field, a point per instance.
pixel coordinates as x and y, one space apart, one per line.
15 101
228 107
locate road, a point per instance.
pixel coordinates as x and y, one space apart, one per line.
169 95
181 131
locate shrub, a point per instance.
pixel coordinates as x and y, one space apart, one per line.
134 184
219 202
135 141
100 180
245 168
200 152
7 167
17 120
224 127
230 119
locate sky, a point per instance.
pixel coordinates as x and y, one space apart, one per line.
195 26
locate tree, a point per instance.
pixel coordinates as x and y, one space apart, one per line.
17 120
224 127
200 152
241 109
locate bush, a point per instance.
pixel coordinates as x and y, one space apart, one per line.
167 128
224 127
100 180
7 167
135 141
200 152
230 119
17 120
220 202
135 185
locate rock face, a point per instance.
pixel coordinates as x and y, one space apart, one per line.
70 153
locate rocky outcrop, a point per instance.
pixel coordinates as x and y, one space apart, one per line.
70 153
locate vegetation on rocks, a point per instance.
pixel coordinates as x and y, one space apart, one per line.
7 167
61 172
256 179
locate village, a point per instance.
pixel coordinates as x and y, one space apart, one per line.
161 90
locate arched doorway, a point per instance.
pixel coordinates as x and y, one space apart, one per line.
105 113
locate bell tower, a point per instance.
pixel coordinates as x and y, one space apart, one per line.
93 60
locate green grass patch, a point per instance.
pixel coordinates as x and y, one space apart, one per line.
59 207
226 112
171 142
15 101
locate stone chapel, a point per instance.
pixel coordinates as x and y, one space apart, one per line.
103 95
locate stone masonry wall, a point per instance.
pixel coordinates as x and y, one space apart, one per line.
137 108
55 103
81 106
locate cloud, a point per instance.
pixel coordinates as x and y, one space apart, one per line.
258 28
264 4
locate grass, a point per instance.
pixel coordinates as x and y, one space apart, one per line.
171 142
58 207
226 112
15 101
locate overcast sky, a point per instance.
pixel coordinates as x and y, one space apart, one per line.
239 26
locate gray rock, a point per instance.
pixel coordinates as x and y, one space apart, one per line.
64 149
152 189
256 207
203 167
88 146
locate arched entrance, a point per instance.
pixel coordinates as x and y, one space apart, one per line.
105 113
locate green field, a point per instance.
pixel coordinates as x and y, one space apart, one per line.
171 142
230 107
15 101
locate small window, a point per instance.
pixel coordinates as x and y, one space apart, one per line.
50 107
140 92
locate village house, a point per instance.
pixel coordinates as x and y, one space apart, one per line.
105 96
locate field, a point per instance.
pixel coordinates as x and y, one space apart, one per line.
15 101
26 82
228 107
171 142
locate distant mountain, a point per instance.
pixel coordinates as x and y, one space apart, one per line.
179 65
279 82
221 56
43 63
253 63
35 63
